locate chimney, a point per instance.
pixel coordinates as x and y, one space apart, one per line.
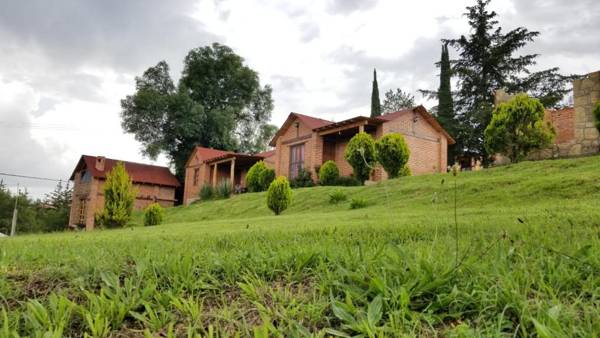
100 163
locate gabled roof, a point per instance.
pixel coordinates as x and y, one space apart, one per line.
309 121
206 154
426 115
342 123
266 154
138 172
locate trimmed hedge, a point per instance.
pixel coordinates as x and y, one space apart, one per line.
279 195
392 153
361 155
153 215
328 173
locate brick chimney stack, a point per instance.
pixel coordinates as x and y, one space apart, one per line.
100 162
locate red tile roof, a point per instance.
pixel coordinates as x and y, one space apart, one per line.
209 153
138 172
428 117
266 154
311 122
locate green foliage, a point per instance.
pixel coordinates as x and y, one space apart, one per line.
358 203
328 173
375 103
259 177
392 153
302 180
153 215
279 195
207 192
337 196
226 268
405 171
347 181
217 103
119 196
360 153
517 128
445 109
224 189
596 113
490 59
396 101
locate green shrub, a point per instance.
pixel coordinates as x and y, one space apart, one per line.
224 189
267 176
207 192
328 173
279 195
596 112
254 177
347 181
360 153
153 215
358 203
392 153
119 195
303 179
517 128
337 196
405 171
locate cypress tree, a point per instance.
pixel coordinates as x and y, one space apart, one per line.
375 103
445 102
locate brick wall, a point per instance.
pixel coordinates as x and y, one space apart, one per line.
295 136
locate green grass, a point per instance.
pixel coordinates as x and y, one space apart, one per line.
529 262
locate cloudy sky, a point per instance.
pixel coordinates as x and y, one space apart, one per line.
65 64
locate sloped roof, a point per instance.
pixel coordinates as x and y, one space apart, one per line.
266 154
138 172
309 121
426 115
206 153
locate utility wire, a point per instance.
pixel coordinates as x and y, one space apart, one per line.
33 177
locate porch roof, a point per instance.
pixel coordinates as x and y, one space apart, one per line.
350 123
239 158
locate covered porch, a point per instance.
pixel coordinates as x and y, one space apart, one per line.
232 168
337 135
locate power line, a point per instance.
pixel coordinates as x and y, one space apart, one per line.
33 177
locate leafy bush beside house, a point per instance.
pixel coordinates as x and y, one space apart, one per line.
153 215
360 154
254 177
207 192
392 153
279 195
596 113
267 176
328 173
302 180
517 128
119 195
224 189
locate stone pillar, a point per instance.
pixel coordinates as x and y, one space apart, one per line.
586 93
214 178
232 173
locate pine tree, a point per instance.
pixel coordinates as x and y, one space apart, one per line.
487 62
375 103
119 196
445 108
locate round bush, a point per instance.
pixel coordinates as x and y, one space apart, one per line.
360 153
405 171
392 153
279 195
254 177
328 173
153 215
267 176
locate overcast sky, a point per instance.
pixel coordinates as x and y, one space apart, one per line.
65 64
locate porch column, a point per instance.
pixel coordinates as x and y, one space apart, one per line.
232 172
361 128
214 178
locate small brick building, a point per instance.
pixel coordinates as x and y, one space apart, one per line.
307 142
153 184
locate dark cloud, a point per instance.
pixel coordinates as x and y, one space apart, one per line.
349 6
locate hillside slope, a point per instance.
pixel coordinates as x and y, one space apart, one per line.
527 263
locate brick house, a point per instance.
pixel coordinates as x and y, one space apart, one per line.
153 183
307 142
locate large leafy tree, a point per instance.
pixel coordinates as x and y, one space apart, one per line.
517 128
489 59
375 103
217 103
397 100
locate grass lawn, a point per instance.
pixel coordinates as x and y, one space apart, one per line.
528 264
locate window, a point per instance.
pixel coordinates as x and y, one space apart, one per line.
296 159
196 174
82 204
